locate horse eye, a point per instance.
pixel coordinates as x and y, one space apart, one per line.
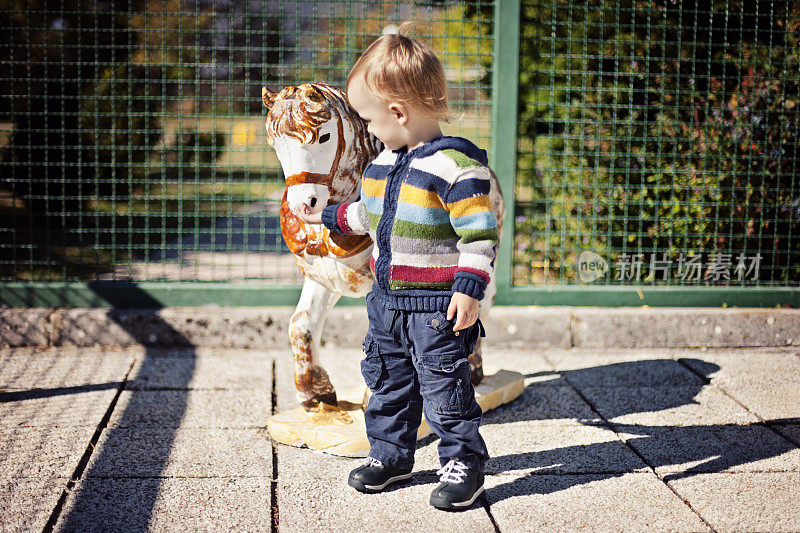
324 138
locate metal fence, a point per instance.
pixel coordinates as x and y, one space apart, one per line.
657 153
648 150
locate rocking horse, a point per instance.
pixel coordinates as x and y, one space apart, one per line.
323 147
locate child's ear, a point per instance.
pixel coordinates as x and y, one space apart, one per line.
399 111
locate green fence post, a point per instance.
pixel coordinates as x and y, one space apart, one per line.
505 81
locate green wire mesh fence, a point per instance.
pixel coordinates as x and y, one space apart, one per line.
658 143
133 135
656 140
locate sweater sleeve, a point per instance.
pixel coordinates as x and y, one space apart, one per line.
349 218
473 219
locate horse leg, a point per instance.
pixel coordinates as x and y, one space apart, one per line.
311 381
476 364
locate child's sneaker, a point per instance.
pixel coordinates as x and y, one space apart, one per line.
458 488
374 476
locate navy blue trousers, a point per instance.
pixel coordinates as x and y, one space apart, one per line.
415 363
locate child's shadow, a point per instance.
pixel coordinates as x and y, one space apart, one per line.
613 391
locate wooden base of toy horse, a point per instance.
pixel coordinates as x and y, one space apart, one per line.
342 431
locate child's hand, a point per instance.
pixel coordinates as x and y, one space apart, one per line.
465 308
308 216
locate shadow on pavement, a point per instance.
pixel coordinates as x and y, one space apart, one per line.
96 506
687 449
36 394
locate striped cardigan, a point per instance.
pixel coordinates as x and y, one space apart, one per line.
429 214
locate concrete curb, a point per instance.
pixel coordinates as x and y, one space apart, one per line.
529 327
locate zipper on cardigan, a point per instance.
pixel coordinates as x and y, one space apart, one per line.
384 229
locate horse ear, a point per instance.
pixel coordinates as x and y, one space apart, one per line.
268 97
314 95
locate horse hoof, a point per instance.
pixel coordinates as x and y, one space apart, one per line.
328 399
475 375
325 401
475 368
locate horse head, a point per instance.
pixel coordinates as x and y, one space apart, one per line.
321 143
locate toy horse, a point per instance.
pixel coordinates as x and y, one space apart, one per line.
323 147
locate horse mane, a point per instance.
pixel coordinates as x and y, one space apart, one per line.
298 111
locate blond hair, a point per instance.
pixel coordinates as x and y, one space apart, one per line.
403 69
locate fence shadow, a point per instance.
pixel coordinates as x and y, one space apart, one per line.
127 504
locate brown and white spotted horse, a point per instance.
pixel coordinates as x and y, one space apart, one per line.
323 147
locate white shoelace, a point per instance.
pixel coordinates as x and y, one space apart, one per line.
371 461
453 472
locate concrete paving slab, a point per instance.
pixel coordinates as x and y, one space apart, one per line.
760 501
136 350
51 369
313 495
770 401
200 408
519 434
232 371
42 452
169 504
610 353
667 405
528 362
551 405
195 452
687 450
583 478
82 406
790 431
426 457
762 365
587 502
529 447
26 503
624 370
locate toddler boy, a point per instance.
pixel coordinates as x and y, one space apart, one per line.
425 203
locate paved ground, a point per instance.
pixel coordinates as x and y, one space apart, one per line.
603 440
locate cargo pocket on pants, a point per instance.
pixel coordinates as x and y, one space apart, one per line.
441 348
454 398
372 367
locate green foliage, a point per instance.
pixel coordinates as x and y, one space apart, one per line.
645 130
463 33
85 87
121 125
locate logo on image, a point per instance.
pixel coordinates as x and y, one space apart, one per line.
591 266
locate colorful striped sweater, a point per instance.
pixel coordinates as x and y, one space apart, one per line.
429 214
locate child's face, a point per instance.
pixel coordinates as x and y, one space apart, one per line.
384 120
